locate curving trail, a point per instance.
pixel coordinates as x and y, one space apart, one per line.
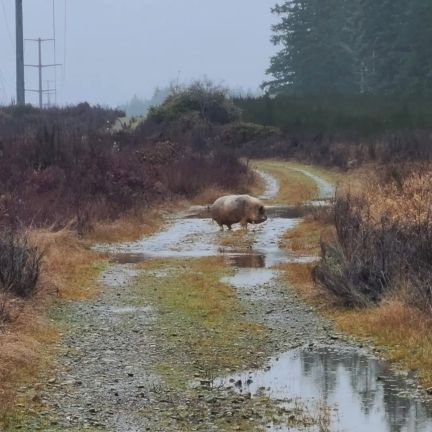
121 351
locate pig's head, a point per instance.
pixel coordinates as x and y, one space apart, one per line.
258 214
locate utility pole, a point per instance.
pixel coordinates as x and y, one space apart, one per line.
20 86
40 68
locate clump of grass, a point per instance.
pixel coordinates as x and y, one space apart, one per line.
401 328
304 239
71 267
131 226
295 187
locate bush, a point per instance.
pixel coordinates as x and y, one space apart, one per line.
383 244
201 100
357 270
20 265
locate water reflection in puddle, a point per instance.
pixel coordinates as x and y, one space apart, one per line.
368 397
195 238
245 278
245 260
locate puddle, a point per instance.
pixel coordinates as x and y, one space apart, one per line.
244 260
367 395
129 258
128 310
245 278
196 238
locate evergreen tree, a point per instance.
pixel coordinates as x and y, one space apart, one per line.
317 54
416 74
352 46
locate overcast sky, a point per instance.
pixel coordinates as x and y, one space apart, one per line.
115 49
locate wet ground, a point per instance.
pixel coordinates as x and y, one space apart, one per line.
107 376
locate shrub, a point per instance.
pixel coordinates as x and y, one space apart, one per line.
20 264
202 99
383 243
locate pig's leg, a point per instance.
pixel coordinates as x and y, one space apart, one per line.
229 227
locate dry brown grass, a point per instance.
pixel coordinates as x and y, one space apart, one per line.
70 266
23 356
401 329
237 239
299 276
127 228
70 272
294 186
258 186
304 239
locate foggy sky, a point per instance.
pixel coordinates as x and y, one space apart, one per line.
115 49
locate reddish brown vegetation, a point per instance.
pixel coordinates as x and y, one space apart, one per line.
66 165
384 238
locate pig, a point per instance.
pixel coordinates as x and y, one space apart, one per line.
243 209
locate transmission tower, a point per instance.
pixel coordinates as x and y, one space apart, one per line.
41 90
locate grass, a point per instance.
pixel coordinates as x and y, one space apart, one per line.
238 239
200 317
304 238
132 226
394 325
294 186
70 273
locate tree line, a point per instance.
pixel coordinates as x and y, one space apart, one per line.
351 47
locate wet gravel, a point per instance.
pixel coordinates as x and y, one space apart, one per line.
105 360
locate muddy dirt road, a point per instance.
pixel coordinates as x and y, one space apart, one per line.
197 330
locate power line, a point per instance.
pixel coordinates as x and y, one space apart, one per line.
7 26
65 39
55 49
